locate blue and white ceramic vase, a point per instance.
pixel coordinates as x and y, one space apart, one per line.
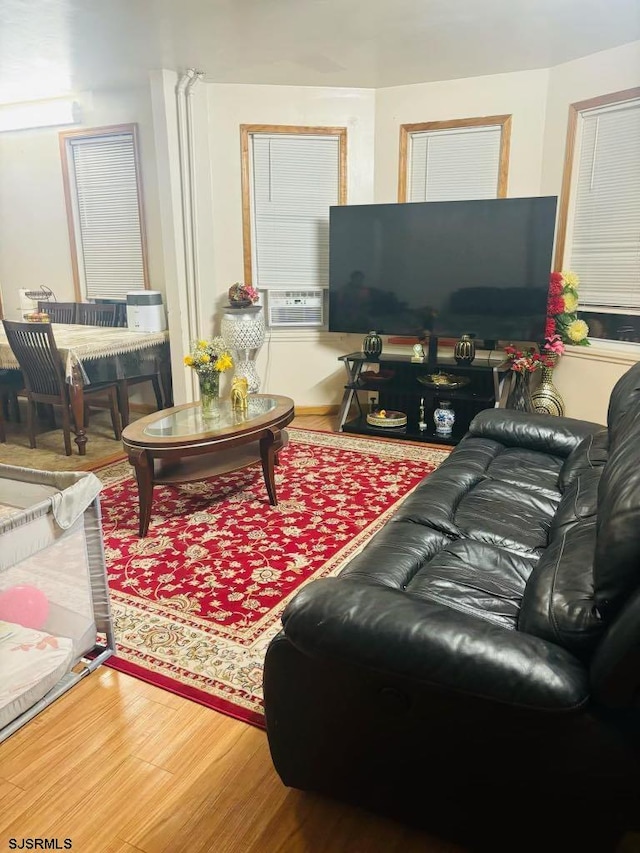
444 418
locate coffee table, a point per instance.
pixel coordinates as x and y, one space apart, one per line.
177 446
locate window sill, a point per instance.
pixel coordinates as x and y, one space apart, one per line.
613 352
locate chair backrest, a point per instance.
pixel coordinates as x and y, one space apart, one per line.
92 314
59 312
34 346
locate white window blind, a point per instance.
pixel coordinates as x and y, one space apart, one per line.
296 179
605 238
455 164
107 214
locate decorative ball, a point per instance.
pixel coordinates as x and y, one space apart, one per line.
24 605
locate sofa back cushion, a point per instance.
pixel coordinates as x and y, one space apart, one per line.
590 455
591 565
559 602
617 553
624 400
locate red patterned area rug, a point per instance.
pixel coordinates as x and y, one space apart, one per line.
197 601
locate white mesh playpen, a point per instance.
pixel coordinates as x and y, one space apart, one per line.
55 617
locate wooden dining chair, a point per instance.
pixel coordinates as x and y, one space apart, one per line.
34 347
11 384
94 314
105 314
59 312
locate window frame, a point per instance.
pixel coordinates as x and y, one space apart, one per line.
567 195
64 137
246 131
407 130
569 172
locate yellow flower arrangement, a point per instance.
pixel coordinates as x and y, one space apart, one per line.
208 357
562 307
577 331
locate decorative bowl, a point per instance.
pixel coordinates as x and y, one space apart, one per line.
386 418
446 381
370 378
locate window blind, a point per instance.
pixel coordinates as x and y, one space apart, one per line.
455 164
605 240
107 214
295 180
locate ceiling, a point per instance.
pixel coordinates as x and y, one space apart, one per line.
51 47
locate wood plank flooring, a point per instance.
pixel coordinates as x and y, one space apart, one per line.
118 765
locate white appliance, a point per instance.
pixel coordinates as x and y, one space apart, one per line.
28 300
295 307
145 311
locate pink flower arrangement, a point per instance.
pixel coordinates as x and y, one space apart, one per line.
243 294
554 344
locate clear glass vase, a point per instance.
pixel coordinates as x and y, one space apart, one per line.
209 395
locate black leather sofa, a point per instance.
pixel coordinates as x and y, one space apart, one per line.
476 668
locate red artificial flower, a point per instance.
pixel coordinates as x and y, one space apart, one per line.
556 305
555 288
550 328
556 278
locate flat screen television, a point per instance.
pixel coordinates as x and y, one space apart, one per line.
442 268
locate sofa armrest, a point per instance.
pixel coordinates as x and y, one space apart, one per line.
386 630
546 433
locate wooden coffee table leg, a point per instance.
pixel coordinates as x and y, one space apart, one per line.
270 447
143 465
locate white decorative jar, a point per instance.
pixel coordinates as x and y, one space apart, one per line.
444 418
243 331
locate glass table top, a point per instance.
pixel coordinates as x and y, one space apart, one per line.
189 421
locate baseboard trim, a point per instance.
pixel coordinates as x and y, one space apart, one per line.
317 410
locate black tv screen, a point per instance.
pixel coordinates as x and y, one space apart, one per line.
445 268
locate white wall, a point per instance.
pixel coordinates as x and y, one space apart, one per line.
585 376
522 95
34 239
302 364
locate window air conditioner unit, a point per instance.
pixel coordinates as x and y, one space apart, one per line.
295 307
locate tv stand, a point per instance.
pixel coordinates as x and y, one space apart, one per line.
396 386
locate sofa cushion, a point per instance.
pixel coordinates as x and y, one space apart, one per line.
395 554
475 578
471 533
558 604
591 453
529 470
579 501
545 433
507 516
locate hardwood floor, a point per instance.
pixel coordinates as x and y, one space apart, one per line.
118 766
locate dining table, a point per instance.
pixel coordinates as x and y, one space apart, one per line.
96 354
